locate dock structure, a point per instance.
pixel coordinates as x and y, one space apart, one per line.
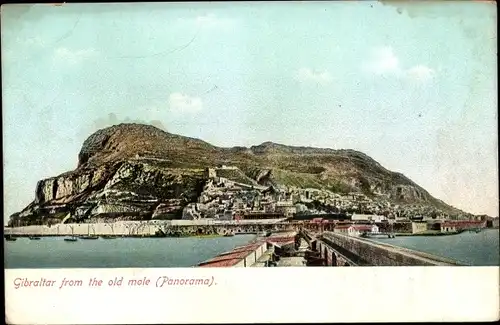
253 254
262 252
335 249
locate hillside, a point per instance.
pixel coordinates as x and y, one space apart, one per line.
137 170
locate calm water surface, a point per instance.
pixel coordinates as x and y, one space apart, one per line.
479 249
54 252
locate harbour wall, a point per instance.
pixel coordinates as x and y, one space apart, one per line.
367 252
126 228
142 228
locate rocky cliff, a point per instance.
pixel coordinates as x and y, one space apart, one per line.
135 171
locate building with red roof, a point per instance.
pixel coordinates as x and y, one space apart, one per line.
356 229
457 225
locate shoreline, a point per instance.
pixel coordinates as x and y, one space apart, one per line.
125 236
155 230
438 233
146 229
427 234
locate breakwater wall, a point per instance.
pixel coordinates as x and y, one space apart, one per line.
367 252
141 228
168 228
128 228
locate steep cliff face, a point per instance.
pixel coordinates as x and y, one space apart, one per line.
127 190
138 171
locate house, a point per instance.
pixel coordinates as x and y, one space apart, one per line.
285 207
457 225
448 227
269 207
209 173
492 223
417 227
356 230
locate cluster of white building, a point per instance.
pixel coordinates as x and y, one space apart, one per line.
224 199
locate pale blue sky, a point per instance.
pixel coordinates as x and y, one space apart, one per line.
414 87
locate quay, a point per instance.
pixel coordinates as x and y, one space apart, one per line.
277 249
335 249
324 249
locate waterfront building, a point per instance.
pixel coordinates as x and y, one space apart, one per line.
448 227
492 223
457 225
368 217
285 207
417 227
356 230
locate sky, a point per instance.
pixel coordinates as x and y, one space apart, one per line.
412 85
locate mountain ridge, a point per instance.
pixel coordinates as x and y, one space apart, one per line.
142 159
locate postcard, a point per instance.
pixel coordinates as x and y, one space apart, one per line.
239 162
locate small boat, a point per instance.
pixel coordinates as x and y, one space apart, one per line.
90 237
229 235
71 238
34 238
108 237
10 238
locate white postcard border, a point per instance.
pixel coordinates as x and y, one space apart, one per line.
258 295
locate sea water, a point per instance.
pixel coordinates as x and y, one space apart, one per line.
479 249
54 252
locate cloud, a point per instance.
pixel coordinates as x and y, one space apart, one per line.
308 75
183 103
420 73
74 56
385 62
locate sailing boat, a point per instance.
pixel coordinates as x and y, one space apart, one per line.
72 238
89 236
109 236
